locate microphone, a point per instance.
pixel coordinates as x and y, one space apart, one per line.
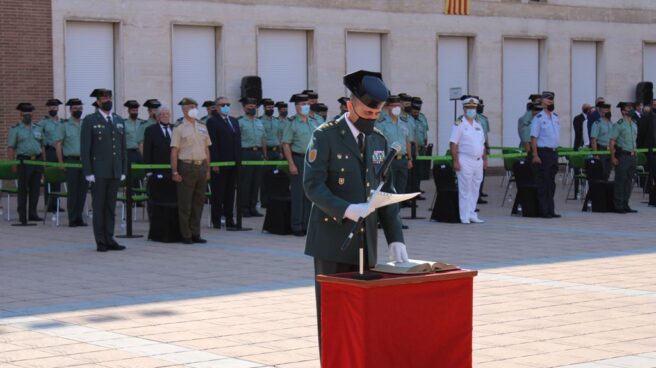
382 171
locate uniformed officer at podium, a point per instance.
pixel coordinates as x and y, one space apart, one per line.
340 171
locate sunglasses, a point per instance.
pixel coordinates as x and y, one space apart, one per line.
225 104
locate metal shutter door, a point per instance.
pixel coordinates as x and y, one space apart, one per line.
521 78
282 63
363 51
649 63
584 75
452 71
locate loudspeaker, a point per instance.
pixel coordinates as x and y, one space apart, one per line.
645 93
251 86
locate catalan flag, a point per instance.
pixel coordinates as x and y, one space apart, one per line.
456 7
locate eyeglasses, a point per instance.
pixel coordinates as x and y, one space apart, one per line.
225 104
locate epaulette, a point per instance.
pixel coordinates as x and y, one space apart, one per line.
403 119
328 125
15 126
554 113
379 132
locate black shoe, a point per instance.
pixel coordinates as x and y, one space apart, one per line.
483 194
630 210
246 214
547 216
620 211
115 247
404 227
254 213
198 239
555 215
73 224
298 233
481 201
216 226
477 210
230 225
35 218
81 223
100 247
187 241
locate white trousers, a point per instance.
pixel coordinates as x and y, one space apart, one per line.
470 177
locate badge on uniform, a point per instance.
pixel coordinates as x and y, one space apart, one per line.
341 181
119 125
312 155
478 128
339 156
378 157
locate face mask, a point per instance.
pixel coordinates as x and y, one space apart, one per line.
52 113
106 106
607 115
396 111
408 109
77 114
268 112
225 110
282 114
305 109
193 113
551 107
471 113
251 112
134 116
27 119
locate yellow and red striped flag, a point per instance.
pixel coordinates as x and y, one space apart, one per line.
456 7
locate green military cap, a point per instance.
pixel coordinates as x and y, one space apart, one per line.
152 103
343 100
53 102
267 102
405 97
74 102
548 95
208 103
311 94
131 104
248 100
299 97
100 92
367 87
393 99
25 107
187 101
281 104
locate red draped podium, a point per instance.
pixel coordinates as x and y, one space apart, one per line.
407 321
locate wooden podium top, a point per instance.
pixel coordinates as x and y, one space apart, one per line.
395 279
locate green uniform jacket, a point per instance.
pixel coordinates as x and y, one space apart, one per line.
26 140
103 149
69 134
332 181
50 127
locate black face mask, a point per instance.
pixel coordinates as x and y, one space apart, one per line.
76 114
268 112
27 119
551 107
607 115
407 109
251 112
106 106
282 114
52 113
366 126
134 116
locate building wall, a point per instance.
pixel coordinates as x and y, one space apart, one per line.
25 59
411 28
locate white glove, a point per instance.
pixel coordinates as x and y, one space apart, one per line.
355 211
397 252
91 178
122 177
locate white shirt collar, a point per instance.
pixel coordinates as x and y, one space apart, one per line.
352 127
104 114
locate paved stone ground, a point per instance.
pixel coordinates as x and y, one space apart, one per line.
577 292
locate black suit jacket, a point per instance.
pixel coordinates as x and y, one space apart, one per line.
102 147
157 147
578 130
226 141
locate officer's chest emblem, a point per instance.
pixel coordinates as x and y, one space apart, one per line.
341 181
339 156
378 157
312 155
119 125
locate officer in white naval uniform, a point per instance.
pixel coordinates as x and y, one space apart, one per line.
467 144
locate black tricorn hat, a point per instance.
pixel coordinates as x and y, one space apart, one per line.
208 103
267 102
311 94
281 104
367 87
101 92
25 107
343 100
152 103
393 99
248 100
299 97
131 104
53 102
74 102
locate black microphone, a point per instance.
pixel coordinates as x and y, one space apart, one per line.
382 171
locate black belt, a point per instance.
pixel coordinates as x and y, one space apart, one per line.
25 157
50 148
132 150
254 148
76 158
548 149
273 148
298 154
625 153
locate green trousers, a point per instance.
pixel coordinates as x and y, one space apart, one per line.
191 197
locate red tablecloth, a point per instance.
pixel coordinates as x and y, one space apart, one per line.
398 322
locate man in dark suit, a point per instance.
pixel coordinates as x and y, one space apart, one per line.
103 154
226 146
581 137
340 170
